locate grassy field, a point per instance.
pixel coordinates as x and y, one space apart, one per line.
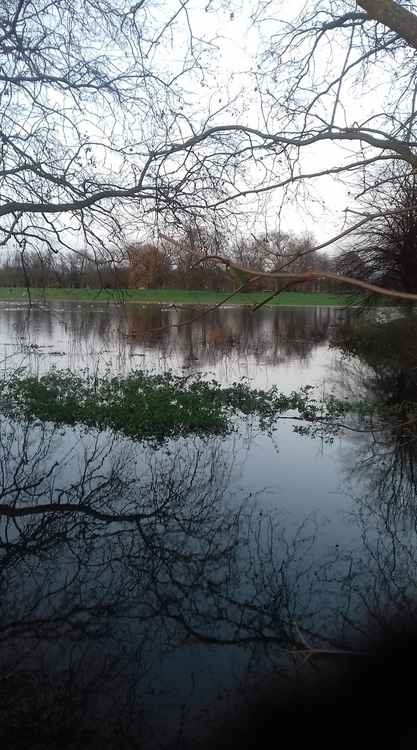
172 296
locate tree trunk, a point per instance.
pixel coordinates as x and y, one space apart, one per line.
394 16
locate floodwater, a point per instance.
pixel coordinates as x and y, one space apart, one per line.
142 587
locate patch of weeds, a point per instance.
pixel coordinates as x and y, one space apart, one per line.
158 406
143 405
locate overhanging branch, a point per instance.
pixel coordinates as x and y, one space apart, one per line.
307 276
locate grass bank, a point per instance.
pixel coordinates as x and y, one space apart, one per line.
174 296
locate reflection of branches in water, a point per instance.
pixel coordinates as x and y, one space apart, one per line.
113 556
380 367
158 527
377 576
78 330
79 608
383 461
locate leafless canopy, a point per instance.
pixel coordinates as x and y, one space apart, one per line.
115 118
93 134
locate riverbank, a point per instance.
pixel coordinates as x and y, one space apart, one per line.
174 296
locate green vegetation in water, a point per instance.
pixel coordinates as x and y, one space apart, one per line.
143 405
175 296
159 406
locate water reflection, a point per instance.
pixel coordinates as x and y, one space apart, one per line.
376 578
379 367
230 342
271 337
116 558
129 576
113 558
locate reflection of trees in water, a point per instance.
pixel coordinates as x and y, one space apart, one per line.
84 332
101 334
114 556
380 368
377 578
88 331
272 335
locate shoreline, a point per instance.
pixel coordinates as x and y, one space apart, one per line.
176 299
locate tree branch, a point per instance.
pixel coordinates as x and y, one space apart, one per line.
304 278
394 16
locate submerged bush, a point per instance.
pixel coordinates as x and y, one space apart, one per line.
143 405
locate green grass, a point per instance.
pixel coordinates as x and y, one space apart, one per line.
173 296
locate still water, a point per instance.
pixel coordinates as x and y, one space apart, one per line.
142 586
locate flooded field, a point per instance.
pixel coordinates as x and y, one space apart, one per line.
149 584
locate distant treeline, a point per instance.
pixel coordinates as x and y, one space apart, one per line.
171 263
70 271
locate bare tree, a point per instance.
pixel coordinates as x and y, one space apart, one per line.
339 78
95 136
386 252
100 135
316 81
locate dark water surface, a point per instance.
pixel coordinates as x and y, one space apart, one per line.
141 586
